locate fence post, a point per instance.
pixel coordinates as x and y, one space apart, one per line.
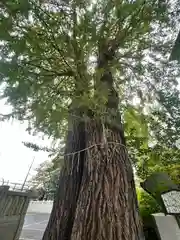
22 216
3 194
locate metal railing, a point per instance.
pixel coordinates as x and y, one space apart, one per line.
44 191
14 186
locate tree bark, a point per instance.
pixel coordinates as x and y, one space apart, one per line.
107 206
62 216
96 198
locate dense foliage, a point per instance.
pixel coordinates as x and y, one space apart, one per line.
148 206
47 178
49 50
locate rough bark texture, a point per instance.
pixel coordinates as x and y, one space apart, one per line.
107 205
96 198
62 217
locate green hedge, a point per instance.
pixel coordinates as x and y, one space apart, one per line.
148 206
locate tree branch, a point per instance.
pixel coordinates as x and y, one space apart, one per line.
113 45
53 40
68 73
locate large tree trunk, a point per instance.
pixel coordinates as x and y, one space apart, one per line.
96 198
107 205
62 216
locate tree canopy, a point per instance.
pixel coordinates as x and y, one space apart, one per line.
47 177
49 51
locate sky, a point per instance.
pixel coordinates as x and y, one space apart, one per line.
15 158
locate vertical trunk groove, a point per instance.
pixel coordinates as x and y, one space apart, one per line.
107 205
62 216
96 199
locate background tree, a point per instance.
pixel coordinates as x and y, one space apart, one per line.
156 144
47 178
80 65
47 173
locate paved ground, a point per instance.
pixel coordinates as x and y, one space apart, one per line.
34 226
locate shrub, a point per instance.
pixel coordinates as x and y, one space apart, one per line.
148 206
